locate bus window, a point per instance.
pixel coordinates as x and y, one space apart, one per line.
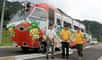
75 27
68 24
51 16
58 21
82 30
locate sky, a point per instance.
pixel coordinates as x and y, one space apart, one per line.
78 9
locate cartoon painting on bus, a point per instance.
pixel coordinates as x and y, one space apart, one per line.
28 26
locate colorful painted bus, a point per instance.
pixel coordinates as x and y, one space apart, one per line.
28 26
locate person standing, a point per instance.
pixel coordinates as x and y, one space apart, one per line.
79 37
51 35
65 35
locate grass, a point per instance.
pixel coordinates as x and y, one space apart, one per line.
6 39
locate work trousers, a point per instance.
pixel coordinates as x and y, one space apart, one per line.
50 44
79 48
65 48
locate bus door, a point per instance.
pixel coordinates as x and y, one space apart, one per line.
58 23
51 16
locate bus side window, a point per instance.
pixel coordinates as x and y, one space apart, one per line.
68 24
58 21
51 16
59 24
75 27
82 30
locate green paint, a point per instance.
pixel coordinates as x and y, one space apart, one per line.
34 24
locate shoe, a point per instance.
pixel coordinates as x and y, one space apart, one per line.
47 57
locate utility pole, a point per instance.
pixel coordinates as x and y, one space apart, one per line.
2 20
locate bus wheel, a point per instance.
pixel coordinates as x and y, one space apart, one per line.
25 49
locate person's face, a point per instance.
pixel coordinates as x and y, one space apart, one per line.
66 28
51 27
78 30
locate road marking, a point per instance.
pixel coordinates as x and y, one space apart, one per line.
87 47
100 58
31 56
28 56
7 58
6 46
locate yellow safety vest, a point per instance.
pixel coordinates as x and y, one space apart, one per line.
79 37
65 35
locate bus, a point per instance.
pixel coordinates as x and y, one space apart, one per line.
28 26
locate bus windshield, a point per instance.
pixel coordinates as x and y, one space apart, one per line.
21 15
40 13
41 22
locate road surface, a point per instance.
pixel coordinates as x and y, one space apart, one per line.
13 52
93 53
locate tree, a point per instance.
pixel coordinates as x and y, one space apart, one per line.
94 28
10 9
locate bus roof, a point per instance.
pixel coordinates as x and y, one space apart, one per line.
45 6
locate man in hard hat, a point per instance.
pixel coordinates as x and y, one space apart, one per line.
79 37
65 35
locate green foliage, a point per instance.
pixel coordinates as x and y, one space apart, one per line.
93 28
6 41
10 9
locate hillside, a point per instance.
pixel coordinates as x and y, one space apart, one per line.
94 28
10 9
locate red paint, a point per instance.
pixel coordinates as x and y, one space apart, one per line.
23 36
85 41
45 6
26 23
72 43
41 33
